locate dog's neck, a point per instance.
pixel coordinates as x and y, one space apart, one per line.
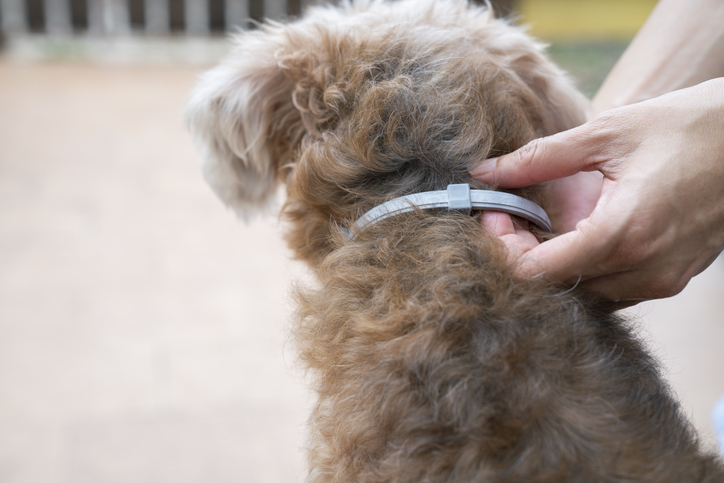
457 197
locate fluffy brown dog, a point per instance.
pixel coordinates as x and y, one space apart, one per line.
432 362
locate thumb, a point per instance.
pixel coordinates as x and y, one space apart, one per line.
543 159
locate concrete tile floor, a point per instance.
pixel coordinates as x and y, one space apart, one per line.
142 327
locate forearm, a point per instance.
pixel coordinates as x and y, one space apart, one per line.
680 45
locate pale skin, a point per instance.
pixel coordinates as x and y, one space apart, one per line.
639 196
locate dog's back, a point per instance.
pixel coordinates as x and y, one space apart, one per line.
435 364
432 362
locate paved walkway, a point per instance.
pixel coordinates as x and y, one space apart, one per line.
142 327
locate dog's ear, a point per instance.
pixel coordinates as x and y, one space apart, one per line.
244 122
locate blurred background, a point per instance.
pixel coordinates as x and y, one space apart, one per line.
143 328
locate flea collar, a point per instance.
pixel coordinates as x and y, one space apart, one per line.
457 197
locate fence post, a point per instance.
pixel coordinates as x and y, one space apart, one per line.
197 16
108 17
275 9
58 19
157 16
120 17
309 3
236 14
13 16
95 17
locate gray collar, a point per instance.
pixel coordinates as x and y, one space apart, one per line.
457 197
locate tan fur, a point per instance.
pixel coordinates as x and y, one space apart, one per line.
432 362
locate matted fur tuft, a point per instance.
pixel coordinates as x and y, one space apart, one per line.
431 361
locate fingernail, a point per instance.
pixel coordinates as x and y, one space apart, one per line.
484 169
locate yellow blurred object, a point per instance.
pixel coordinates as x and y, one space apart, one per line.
585 19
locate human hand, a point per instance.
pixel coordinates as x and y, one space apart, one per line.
660 217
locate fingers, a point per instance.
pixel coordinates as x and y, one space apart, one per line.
569 258
517 241
630 287
655 217
544 159
560 262
580 259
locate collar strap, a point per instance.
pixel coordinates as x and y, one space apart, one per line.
458 197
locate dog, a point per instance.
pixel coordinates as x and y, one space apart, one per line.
432 362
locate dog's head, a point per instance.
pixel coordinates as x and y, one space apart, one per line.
355 105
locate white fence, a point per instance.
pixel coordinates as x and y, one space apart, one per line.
113 17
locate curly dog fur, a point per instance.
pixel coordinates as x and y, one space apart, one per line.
433 363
